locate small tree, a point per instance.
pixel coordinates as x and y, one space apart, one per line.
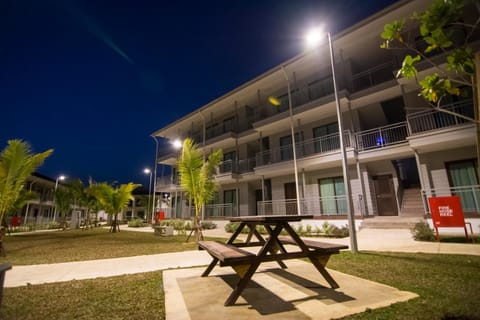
196 178
114 199
17 163
63 204
438 25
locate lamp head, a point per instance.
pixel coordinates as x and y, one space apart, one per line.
147 171
177 144
314 37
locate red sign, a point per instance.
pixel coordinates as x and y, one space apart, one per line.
446 212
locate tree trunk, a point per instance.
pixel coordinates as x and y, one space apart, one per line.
3 232
198 229
114 227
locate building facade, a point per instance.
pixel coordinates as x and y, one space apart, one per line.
399 151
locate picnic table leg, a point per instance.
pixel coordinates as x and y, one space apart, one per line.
280 246
333 284
314 261
210 267
251 270
236 233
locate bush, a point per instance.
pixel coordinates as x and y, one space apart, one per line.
422 232
136 223
232 226
208 225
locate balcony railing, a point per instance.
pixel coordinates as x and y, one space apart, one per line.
429 120
167 182
382 137
373 76
317 206
237 166
469 196
221 210
305 148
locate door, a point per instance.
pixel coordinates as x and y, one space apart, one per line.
258 197
291 198
385 196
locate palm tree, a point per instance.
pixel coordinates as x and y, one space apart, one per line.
79 195
114 200
91 202
63 204
196 178
17 163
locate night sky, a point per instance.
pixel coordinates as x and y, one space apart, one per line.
92 79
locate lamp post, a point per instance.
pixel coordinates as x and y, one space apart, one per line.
60 177
275 102
154 207
149 172
313 38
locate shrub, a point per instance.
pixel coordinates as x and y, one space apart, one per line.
136 223
422 232
207 225
232 226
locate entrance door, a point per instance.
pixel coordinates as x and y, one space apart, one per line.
258 197
385 193
291 198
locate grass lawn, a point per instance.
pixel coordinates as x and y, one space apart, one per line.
448 285
79 245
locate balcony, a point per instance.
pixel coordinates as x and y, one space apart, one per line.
373 76
220 210
303 149
317 206
430 120
167 183
382 137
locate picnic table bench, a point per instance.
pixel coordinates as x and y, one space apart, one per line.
245 263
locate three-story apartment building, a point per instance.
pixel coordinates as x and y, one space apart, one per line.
399 151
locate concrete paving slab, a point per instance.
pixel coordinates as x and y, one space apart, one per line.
67 271
298 292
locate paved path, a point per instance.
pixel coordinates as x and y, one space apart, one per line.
399 240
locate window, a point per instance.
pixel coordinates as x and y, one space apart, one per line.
286 150
211 130
228 124
320 88
230 200
463 174
326 138
332 196
228 161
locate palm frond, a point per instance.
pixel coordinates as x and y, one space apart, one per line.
17 163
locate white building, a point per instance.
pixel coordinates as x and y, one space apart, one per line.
398 153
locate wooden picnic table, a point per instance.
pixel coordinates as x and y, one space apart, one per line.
272 248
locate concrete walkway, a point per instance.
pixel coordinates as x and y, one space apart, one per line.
395 240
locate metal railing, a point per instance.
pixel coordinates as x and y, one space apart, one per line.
469 196
317 206
305 148
382 137
373 76
433 119
220 210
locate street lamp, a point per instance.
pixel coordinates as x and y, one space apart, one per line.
274 101
61 178
313 38
149 172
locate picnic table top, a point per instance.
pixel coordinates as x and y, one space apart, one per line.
271 218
